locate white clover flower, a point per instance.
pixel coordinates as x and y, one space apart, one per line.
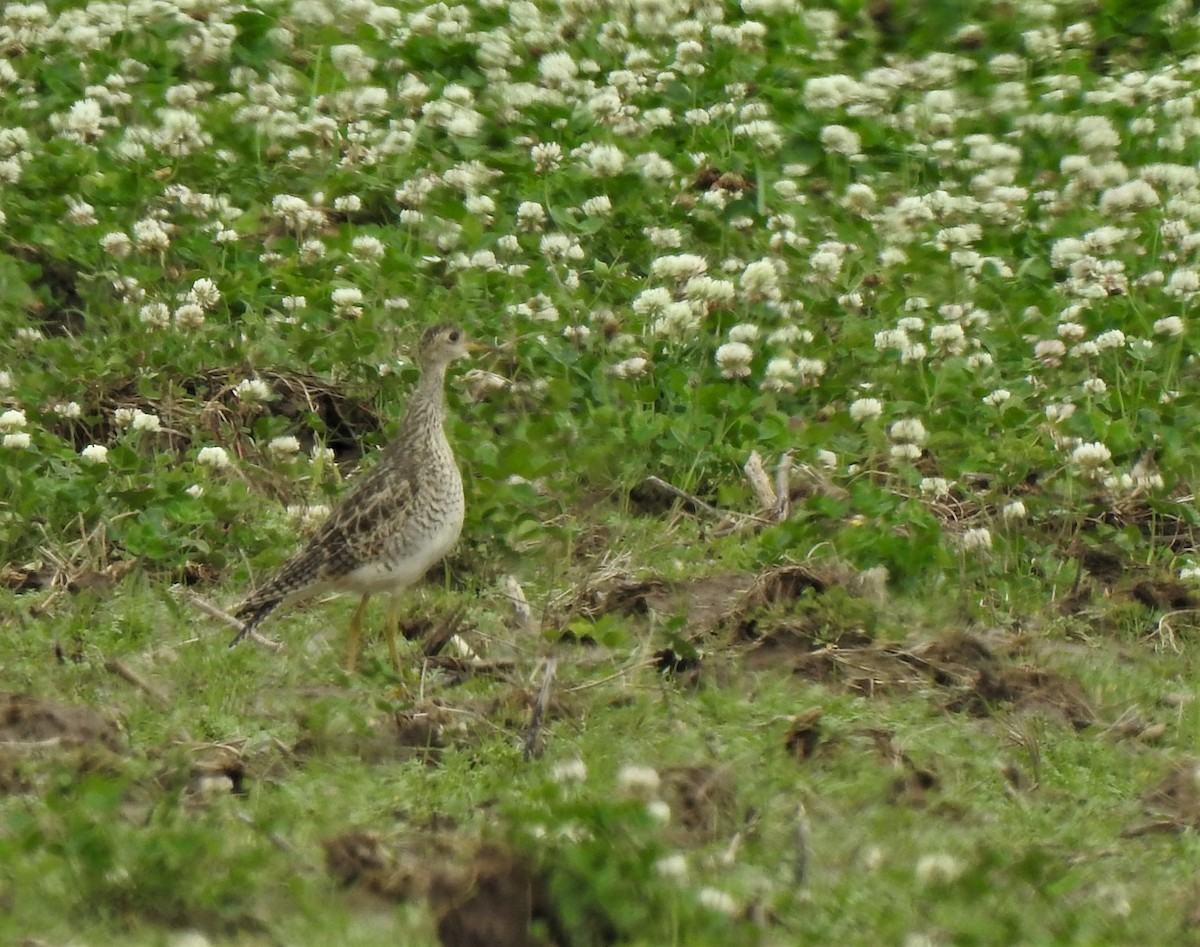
680 266
151 234
733 358
195 491
598 206
719 901
996 398
1059 412
744 332
189 316
1049 351
664 238
908 431
1013 510
1094 386
116 244
204 293
252 390
67 409
780 375
978 539
17 441
12 420
606 160
760 280
631 367
214 457
659 811
569 771
905 453
653 301
936 486
948 338
144 421
710 291
810 369
546 156
638 780
838 139
155 315
1112 339
827 459
531 216
1169 326
672 866
1090 457
367 249
1189 573
864 409
95 454
938 869
284 446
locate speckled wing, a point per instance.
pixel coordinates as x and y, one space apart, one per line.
356 532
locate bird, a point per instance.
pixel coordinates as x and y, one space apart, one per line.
395 523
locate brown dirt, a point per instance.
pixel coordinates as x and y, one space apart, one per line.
1175 801
703 801
26 720
804 734
481 893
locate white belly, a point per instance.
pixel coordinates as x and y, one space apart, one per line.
395 573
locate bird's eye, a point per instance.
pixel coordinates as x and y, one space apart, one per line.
453 336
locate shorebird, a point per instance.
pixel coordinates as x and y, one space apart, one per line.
394 523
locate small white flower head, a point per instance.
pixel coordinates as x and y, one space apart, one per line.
904 453
284 446
672 866
631 367
598 206
368 250
745 332
195 491
1171 326
827 459
733 358
1013 510
760 280
1190 573
1091 458
838 139
638 780
569 771
6 381
95 454
12 420
204 293
144 421
252 391
214 457
978 539
546 156
659 811
936 486
908 431
1059 412
17 441
716 900
155 315
1094 386
606 160
938 869
996 398
865 409
531 216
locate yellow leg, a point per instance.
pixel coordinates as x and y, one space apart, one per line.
390 627
354 634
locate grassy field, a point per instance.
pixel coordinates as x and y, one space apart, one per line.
836 426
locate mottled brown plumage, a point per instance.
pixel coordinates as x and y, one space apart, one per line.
397 520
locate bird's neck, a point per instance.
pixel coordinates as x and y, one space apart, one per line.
426 406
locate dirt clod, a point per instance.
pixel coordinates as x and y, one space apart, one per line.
25 720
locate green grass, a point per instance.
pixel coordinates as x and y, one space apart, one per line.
277 194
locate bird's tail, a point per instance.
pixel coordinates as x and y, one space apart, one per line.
253 612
